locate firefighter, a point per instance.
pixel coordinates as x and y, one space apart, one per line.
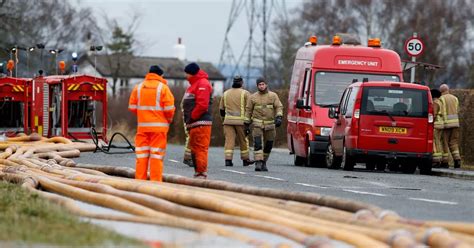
450 113
153 103
265 111
438 128
232 109
187 159
197 103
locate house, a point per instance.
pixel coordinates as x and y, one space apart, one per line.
130 70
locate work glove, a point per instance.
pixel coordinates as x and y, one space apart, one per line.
222 112
247 128
278 121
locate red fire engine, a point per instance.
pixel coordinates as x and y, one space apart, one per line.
69 106
14 105
320 75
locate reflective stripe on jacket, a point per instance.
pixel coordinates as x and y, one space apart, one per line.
262 108
153 103
197 101
450 110
234 102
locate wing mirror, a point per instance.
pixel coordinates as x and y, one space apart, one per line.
333 113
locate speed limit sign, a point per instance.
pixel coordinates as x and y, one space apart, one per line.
414 46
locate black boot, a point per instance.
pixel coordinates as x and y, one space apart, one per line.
258 165
247 162
457 164
189 162
264 166
228 162
444 165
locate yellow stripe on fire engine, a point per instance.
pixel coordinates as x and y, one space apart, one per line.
18 88
77 86
71 86
97 87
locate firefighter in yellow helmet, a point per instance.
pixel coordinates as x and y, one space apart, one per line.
232 110
450 113
265 111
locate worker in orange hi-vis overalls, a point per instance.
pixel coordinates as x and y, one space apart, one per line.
153 103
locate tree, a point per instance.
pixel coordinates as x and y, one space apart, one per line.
445 26
54 23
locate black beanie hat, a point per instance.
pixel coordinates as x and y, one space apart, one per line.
156 69
261 79
238 79
435 93
192 68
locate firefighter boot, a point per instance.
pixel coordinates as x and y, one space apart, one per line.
189 162
247 162
444 165
228 162
264 166
457 164
258 165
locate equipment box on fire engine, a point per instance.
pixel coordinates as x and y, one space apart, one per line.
14 105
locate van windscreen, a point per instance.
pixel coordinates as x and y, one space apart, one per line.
331 85
394 102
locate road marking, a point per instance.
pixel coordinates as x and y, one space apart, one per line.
379 184
273 178
174 161
311 185
234 171
363 192
434 201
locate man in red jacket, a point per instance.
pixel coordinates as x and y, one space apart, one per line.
197 102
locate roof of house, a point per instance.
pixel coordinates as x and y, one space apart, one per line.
137 66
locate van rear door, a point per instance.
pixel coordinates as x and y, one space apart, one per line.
393 119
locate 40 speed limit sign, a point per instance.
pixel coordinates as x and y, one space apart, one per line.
414 46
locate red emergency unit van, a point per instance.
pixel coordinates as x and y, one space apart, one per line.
383 122
320 75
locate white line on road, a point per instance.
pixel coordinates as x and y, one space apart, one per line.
363 192
379 184
269 177
434 201
234 171
174 161
311 185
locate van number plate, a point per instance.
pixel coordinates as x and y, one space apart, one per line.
398 130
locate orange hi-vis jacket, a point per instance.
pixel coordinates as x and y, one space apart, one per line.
153 103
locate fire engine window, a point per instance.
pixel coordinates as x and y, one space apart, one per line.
351 101
396 102
329 86
306 86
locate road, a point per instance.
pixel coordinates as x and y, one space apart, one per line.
412 196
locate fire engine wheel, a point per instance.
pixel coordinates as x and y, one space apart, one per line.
408 167
425 167
370 165
299 161
381 166
332 161
315 160
348 161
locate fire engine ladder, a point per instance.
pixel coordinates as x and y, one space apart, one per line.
45 110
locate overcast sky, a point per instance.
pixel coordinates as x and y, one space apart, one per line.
200 23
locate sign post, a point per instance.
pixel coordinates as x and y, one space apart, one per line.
414 46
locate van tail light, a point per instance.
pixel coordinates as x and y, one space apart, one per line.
357 113
430 118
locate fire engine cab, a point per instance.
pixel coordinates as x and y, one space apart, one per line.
320 75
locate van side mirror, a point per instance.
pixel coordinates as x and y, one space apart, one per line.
333 113
300 104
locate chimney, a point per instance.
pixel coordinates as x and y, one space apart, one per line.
179 50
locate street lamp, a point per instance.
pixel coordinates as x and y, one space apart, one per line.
95 49
74 59
55 52
40 46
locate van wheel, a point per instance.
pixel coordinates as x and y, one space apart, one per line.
408 167
332 161
348 161
315 160
425 167
299 161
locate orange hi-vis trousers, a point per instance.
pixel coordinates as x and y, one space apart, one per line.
150 150
199 140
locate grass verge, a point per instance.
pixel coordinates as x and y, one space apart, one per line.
28 219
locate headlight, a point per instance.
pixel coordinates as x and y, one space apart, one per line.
325 131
